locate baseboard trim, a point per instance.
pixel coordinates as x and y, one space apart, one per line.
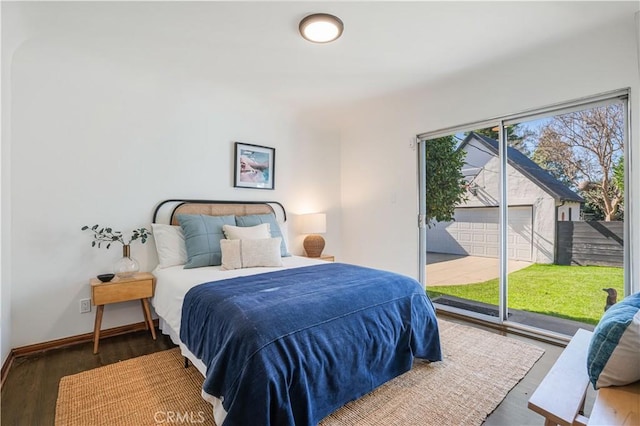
81 338
64 342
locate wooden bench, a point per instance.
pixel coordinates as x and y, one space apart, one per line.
560 396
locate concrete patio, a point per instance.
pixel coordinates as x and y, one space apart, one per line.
451 269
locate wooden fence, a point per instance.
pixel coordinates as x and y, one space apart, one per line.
590 243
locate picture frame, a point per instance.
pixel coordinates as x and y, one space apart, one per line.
254 166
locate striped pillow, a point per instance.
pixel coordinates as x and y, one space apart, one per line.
614 351
237 254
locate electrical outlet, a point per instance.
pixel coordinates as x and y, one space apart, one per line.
85 306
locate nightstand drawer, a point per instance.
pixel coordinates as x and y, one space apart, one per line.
103 294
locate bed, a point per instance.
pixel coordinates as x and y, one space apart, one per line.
288 345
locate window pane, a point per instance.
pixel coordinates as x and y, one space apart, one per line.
463 248
567 172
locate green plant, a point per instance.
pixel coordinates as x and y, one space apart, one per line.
445 181
107 235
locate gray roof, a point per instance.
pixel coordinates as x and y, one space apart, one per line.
529 168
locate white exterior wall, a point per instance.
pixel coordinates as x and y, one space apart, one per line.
575 211
521 191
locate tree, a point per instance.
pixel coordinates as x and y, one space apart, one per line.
618 175
583 148
551 155
517 136
618 179
445 181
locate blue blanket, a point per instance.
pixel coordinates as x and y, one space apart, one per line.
290 347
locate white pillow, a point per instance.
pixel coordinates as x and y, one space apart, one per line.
237 254
613 358
169 245
257 232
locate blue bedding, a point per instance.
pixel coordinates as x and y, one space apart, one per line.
290 347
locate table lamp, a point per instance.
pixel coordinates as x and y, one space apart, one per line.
314 224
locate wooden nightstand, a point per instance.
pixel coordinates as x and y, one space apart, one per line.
327 257
140 286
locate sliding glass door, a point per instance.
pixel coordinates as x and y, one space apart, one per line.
524 216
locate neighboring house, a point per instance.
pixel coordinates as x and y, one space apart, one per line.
537 201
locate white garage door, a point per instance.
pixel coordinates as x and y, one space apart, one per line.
475 232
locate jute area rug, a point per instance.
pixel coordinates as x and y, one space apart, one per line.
478 370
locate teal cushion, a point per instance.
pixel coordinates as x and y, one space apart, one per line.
202 235
614 351
257 219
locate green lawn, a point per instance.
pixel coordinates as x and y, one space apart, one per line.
573 292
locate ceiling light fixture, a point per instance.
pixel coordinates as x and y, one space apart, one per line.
321 28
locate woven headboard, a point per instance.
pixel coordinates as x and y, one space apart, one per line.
220 208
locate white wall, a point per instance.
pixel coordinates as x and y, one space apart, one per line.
98 141
13 33
5 295
379 169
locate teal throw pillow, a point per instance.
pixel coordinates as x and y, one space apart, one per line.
202 235
614 351
257 219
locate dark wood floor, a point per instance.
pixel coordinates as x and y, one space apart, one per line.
31 388
30 391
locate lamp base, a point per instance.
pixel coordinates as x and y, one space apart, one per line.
313 245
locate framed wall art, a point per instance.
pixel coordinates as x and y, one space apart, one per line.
254 166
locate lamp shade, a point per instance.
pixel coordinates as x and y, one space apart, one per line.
315 223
